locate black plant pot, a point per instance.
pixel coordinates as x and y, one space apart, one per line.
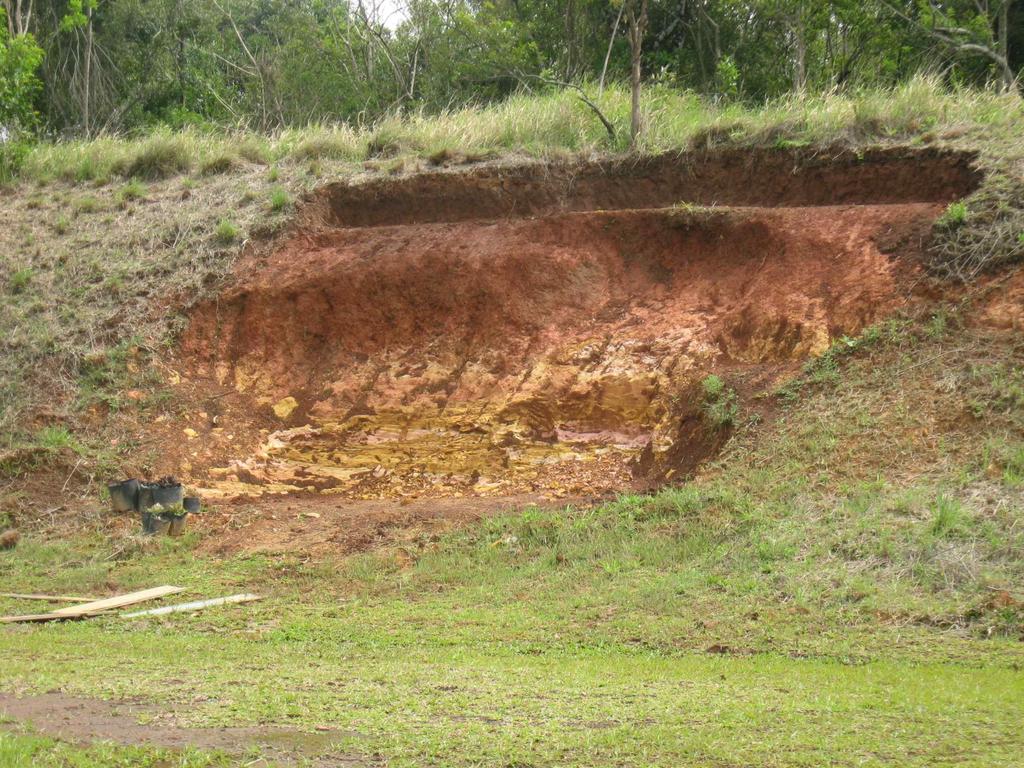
147 521
168 495
124 496
178 525
144 498
161 524
191 504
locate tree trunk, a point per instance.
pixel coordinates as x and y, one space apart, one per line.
799 59
608 55
636 15
87 89
570 40
19 15
180 53
1009 80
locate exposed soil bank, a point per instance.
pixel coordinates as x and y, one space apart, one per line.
740 177
411 340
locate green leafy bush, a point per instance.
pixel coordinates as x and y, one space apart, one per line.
20 57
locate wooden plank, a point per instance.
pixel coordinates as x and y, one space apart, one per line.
196 605
38 617
29 617
51 598
119 601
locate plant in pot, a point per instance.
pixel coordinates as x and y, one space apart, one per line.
167 491
156 520
176 515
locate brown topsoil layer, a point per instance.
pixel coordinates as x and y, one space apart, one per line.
736 177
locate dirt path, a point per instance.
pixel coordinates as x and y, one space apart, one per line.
82 721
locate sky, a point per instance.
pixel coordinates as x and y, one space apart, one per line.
391 11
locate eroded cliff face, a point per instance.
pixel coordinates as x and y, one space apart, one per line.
553 347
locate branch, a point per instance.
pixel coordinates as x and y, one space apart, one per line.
608 55
581 95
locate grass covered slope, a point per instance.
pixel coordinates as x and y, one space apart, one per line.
844 587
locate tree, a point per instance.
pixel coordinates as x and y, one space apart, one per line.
20 57
977 28
636 28
79 19
19 15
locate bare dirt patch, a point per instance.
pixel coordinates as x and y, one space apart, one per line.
325 525
521 356
537 332
81 720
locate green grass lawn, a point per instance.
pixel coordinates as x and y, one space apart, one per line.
452 702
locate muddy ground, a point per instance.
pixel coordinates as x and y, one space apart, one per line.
83 721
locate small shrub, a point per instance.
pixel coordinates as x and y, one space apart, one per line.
954 216
20 279
226 232
254 150
221 163
329 146
947 517
279 199
133 190
87 204
721 404
61 225
158 158
55 438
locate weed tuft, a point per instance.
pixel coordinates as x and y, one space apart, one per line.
56 438
20 279
219 163
279 199
954 216
720 403
161 156
948 517
133 190
86 204
227 232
